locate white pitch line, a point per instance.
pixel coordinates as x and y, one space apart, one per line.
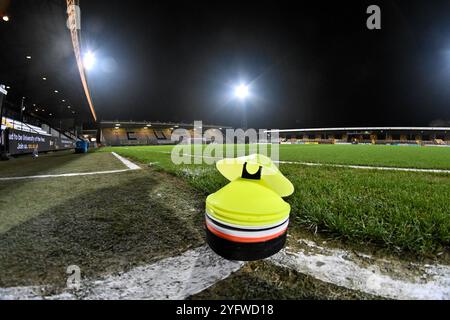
196 270
131 166
338 267
344 166
64 175
172 278
311 164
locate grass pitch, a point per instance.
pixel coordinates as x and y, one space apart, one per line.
111 223
403 211
59 163
103 224
369 155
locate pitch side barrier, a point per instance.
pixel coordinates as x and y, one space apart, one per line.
23 139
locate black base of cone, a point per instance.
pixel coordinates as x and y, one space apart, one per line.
245 251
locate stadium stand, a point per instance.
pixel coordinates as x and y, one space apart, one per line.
132 136
426 136
129 133
160 135
18 125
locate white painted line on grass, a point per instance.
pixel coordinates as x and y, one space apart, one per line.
196 270
130 165
364 167
344 166
64 175
340 268
172 278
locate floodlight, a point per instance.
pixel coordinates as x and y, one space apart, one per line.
242 91
5 18
89 60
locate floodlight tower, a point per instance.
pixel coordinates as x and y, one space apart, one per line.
74 25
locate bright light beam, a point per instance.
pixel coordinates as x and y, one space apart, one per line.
89 60
242 91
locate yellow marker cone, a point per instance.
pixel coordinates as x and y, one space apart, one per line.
247 219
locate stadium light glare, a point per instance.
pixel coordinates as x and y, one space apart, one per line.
44 78
242 91
29 57
5 18
89 60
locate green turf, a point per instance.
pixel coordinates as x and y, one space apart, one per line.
370 155
404 211
365 155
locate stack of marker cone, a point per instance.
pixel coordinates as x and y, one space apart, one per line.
248 219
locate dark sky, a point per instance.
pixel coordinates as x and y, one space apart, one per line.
309 65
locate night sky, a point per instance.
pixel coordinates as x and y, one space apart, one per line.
310 65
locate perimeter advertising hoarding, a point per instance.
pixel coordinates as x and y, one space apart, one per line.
25 142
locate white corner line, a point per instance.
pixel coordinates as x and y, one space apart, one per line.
173 278
63 175
339 267
130 165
